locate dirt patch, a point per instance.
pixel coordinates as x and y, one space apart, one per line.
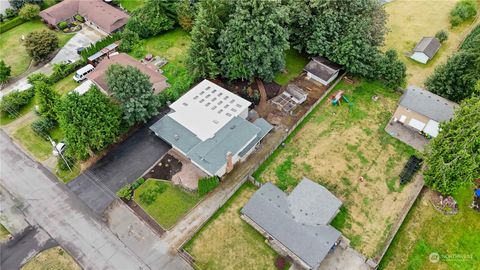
165 168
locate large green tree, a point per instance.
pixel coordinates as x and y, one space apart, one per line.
186 14
453 158
134 91
47 98
390 69
204 54
29 12
254 40
40 44
301 16
5 72
17 4
152 19
90 122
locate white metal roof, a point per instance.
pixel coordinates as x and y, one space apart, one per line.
206 108
83 88
432 128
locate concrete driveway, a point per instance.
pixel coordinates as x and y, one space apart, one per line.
83 38
124 164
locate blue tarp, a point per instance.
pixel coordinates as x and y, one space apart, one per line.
477 192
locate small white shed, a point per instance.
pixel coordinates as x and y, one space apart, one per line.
425 49
322 70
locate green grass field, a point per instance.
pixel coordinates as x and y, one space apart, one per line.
455 238
14 53
65 85
295 62
131 5
169 204
34 144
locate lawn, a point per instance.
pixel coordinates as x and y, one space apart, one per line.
131 5
336 146
172 45
40 148
65 85
409 21
53 258
455 238
294 64
168 203
228 242
4 234
16 56
7 119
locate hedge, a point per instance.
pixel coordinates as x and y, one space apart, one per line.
5 26
62 25
14 101
92 49
79 18
207 184
43 126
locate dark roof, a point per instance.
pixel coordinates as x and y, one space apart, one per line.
428 104
428 45
322 68
299 220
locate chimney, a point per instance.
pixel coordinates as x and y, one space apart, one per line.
229 162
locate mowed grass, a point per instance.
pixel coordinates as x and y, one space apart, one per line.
65 85
168 206
53 258
228 242
409 21
294 64
13 52
455 238
346 149
131 5
40 148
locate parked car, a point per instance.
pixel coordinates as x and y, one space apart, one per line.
59 149
81 74
66 62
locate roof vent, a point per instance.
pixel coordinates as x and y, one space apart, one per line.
176 137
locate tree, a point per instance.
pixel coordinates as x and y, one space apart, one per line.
463 10
47 98
18 4
5 72
455 79
391 70
90 122
186 14
134 90
12 102
29 12
254 41
204 53
442 35
453 157
151 19
300 25
40 44
129 40
348 33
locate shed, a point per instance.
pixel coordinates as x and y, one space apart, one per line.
322 70
425 49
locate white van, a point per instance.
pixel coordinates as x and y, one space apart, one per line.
81 74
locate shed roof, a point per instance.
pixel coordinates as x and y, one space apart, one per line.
287 218
322 68
428 45
297 92
428 104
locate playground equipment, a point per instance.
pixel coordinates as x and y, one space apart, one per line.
337 97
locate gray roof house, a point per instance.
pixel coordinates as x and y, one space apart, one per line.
296 224
322 70
425 49
208 126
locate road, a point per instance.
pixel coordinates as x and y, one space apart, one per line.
61 214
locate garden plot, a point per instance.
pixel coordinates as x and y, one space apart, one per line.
346 149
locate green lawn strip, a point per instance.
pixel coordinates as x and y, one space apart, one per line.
7 119
168 206
434 232
14 53
131 5
4 233
67 176
36 145
65 85
294 64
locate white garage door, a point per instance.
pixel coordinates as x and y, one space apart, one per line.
432 128
418 125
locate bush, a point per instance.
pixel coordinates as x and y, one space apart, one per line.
442 35
38 77
207 184
29 12
14 101
463 10
148 196
60 71
79 18
62 25
280 262
5 72
129 40
42 126
138 183
125 192
10 13
5 26
40 44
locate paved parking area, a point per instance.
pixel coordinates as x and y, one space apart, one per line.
124 164
83 38
406 135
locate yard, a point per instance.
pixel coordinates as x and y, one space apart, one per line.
131 5
65 85
228 242
346 149
294 64
53 258
40 148
164 202
455 238
14 53
409 21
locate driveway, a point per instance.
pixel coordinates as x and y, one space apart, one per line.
122 165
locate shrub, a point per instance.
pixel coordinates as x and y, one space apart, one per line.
60 71
79 18
14 101
125 192
138 183
148 196
207 184
463 10
38 77
280 262
5 26
29 12
129 40
62 25
442 35
10 13
42 126
5 72
40 44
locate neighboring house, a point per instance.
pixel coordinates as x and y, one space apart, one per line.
425 49
322 70
96 13
423 110
99 76
208 125
296 225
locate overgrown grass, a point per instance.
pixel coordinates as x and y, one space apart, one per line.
34 144
169 202
6 119
294 64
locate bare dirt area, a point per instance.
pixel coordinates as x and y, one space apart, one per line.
346 149
165 168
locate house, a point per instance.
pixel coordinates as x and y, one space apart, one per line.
322 70
97 13
425 49
208 126
99 76
290 98
423 111
296 225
